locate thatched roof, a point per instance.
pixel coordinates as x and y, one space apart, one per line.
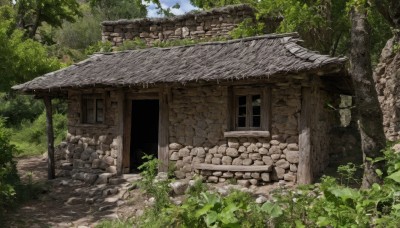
255 57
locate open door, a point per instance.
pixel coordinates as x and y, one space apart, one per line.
144 131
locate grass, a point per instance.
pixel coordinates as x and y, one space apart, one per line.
31 139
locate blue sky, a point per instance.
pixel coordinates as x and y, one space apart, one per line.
185 7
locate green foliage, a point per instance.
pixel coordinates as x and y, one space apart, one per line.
118 9
115 224
137 43
30 137
99 47
32 13
157 188
347 173
247 28
21 59
8 171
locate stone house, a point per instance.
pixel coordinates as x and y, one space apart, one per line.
253 109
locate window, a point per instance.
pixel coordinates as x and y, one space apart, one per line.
251 109
93 109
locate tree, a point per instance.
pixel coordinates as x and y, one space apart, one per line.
119 9
32 13
21 59
373 139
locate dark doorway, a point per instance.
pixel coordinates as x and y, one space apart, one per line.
144 131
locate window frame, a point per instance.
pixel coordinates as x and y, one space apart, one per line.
94 97
265 107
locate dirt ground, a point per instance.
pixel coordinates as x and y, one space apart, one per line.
71 203
64 202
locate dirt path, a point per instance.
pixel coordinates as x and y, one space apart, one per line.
70 203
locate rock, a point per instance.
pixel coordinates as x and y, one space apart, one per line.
396 148
197 160
274 150
213 150
263 151
227 175
237 161
257 162
266 145
226 160
103 178
116 181
90 178
278 172
75 200
252 148
292 147
221 180
216 161
275 157
247 175
108 160
265 177
222 150
110 200
175 146
184 152
274 142
111 169
261 199
161 176
201 153
232 152
255 175
238 174
96 163
241 149
244 183
267 160
233 144
217 173
187 160
253 181
282 164
255 156
208 158
180 174
174 156
282 146
179 187
66 166
292 156
293 168
289 177
247 161
212 179
244 155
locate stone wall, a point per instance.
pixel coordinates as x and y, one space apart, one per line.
198 119
202 25
387 79
90 151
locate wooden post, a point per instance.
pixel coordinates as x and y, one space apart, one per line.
50 138
120 137
163 130
304 171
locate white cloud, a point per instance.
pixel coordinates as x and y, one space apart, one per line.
185 7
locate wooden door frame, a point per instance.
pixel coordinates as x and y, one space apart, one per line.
163 128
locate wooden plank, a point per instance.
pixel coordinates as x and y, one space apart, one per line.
50 138
234 168
250 134
304 170
230 110
120 137
266 109
127 136
163 130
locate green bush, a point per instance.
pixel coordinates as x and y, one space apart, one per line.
8 171
31 138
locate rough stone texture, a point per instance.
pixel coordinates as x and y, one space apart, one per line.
387 79
196 26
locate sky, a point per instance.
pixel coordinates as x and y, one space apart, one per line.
185 7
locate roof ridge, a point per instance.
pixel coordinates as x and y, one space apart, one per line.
245 39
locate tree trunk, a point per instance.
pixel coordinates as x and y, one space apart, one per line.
50 138
373 139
